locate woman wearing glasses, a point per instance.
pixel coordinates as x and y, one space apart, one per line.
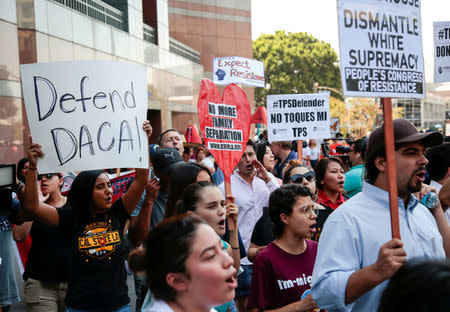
282 272
262 234
47 267
295 172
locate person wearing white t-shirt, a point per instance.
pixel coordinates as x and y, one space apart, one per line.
315 152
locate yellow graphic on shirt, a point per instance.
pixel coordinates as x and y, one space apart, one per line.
98 240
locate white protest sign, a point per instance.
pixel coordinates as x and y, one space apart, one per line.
87 114
380 45
298 116
236 69
441 51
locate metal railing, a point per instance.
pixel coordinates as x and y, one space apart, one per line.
98 10
183 50
149 33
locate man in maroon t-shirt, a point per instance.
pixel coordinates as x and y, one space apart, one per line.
282 272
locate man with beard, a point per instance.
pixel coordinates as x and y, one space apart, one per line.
356 255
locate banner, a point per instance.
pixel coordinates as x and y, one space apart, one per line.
298 116
121 183
380 45
87 114
235 69
441 51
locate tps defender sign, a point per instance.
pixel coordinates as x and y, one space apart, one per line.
298 116
381 48
441 51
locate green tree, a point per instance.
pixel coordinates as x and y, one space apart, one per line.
293 62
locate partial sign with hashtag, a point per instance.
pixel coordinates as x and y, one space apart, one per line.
298 116
441 51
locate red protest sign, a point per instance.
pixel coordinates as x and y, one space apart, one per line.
260 116
224 122
120 185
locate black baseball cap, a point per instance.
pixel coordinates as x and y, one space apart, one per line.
164 160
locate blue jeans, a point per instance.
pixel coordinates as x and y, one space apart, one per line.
125 308
244 280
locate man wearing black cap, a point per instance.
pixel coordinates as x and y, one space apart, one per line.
164 160
356 255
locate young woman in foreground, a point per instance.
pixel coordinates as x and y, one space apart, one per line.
206 201
195 273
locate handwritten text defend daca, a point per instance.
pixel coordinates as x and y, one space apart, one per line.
68 104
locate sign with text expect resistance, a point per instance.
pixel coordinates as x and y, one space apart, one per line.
87 114
380 45
236 69
298 116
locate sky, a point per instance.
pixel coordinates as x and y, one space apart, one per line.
319 18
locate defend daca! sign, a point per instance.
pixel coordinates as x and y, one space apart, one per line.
87 114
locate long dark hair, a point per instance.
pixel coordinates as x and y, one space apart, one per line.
261 148
321 169
180 178
191 196
80 195
20 166
418 286
168 247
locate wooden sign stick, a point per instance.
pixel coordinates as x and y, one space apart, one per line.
390 159
231 222
300 150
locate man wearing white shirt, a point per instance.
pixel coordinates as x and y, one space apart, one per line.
438 168
251 186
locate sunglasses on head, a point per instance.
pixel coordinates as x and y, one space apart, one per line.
47 175
298 178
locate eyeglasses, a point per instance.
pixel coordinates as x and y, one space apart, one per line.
298 178
310 210
47 175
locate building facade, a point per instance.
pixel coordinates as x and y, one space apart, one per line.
175 40
427 113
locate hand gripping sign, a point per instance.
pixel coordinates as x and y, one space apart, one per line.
225 124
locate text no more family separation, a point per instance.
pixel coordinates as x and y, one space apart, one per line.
67 142
222 129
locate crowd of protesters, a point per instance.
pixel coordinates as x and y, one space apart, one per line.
308 235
